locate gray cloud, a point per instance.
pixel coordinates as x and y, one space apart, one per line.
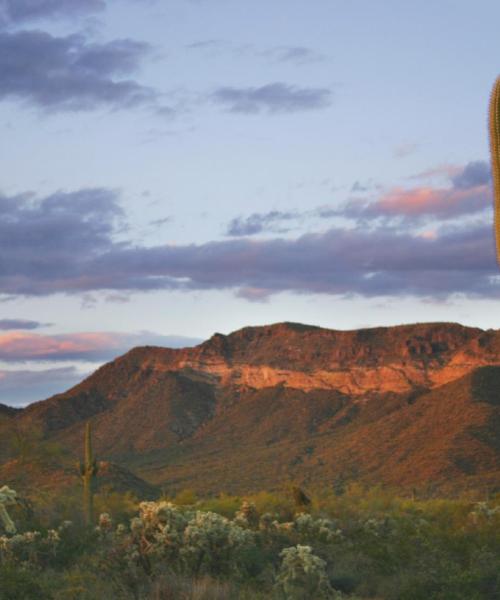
18 388
19 11
13 324
258 222
65 243
473 174
65 227
272 98
70 73
370 263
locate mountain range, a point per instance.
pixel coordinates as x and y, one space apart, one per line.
411 407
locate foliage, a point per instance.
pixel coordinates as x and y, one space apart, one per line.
363 544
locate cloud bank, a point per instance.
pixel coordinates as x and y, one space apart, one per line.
65 243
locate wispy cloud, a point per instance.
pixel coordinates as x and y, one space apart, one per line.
91 347
404 150
272 98
13 324
21 11
468 193
259 222
299 55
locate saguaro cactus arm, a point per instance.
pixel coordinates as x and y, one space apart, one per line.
494 127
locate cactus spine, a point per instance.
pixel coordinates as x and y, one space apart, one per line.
494 127
88 472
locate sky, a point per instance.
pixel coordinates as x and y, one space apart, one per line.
176 168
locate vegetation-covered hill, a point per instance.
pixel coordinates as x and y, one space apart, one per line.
410 406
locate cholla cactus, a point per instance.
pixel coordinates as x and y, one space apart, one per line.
494 126
310 528
483 513
303 575
212 543
30 547
268 522
88 472
7 498
105 523
247 516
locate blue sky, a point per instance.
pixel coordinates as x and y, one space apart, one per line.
173 169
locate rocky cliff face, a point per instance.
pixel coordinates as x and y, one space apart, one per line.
381 360
273 390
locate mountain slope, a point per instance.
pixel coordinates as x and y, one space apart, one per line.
412 405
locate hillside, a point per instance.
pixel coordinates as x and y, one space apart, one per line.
411 406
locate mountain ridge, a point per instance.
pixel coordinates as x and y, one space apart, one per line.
311 403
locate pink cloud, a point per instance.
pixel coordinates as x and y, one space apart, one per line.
441 171
88 346
440 202
22 345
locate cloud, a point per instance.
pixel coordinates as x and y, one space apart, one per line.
404 150
445 171
441 204
90 347
468 194
299 55
65 243
272 98
9 324
474 174
160 222
20 11
70 73
19 388
50 238
258 222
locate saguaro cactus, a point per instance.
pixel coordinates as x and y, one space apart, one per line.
88 472
494 126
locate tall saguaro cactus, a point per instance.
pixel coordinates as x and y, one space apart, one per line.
494 126
88 472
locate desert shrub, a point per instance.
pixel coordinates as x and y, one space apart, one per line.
223 504
186 498
121 506
281 505
20 584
